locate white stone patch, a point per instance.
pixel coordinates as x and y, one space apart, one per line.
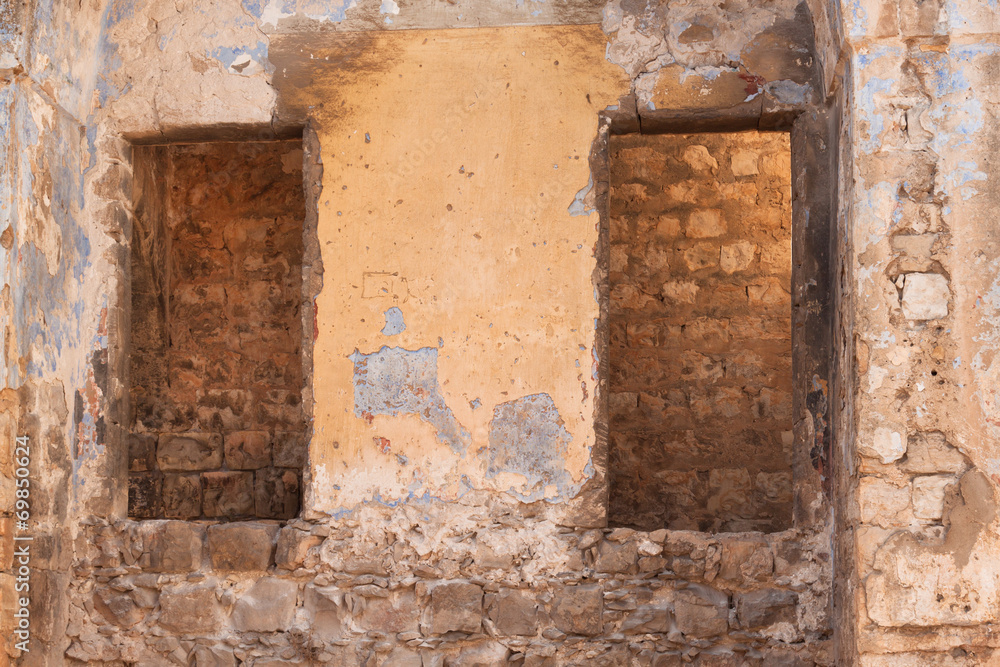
699 159
737 256
886 446
925 296
928 496
744 163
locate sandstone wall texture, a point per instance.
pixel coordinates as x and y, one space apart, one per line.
701 340
216 338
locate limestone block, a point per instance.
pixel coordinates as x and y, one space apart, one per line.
293 547
276 493
649 618
189 451
612 557
227 494
323 608
701 611
269 606
699 158
455 606
881 501
181 496
248 450
931 453
403 657
928 495
483 654
8 604
396 613
579 610
242 546
6 543
117 608
515 613
763 608
737 256
701 256
145 495
885 445
925 296
705 223
213 657
142 452
172 546
190 610
744 163
679 292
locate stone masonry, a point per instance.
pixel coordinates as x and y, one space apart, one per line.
701 341
216 366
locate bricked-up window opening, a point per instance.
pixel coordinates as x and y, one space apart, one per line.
700 405
215 368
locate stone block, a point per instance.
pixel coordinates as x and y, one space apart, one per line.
189 451
881 501
403 657
455 606
648 618
515 613
241 547
737 256
227 494
205 656
172 546
885 445
705 223
701 612
579 610
190 610
289 450
701 256
145 495
117 608
744 163
142 452
612 557
269 606
293 546
248 450
8 604
928 495
763 608
323 607
181 496
396 613
925 296
931 453
276 493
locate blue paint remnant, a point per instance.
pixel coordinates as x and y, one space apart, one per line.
395 381
241 56
475 403
578 207
317 10
394 323
440 341
867 106
527 437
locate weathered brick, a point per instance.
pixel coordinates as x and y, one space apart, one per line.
145 495
190 610
701 612
760 609
189 451
269 606
227 494
455 606
293 545
579 610
142 452
248 450
181 496
172 546
242 547
515 613
289 450
276 493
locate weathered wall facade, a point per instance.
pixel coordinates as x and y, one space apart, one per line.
700 403
454 279
215 369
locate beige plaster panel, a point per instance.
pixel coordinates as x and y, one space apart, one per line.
450 165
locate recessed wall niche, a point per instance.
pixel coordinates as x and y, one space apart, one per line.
700 405
215 373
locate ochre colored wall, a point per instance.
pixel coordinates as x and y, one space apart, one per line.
450 172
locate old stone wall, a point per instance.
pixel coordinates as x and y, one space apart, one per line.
701 340
216 337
